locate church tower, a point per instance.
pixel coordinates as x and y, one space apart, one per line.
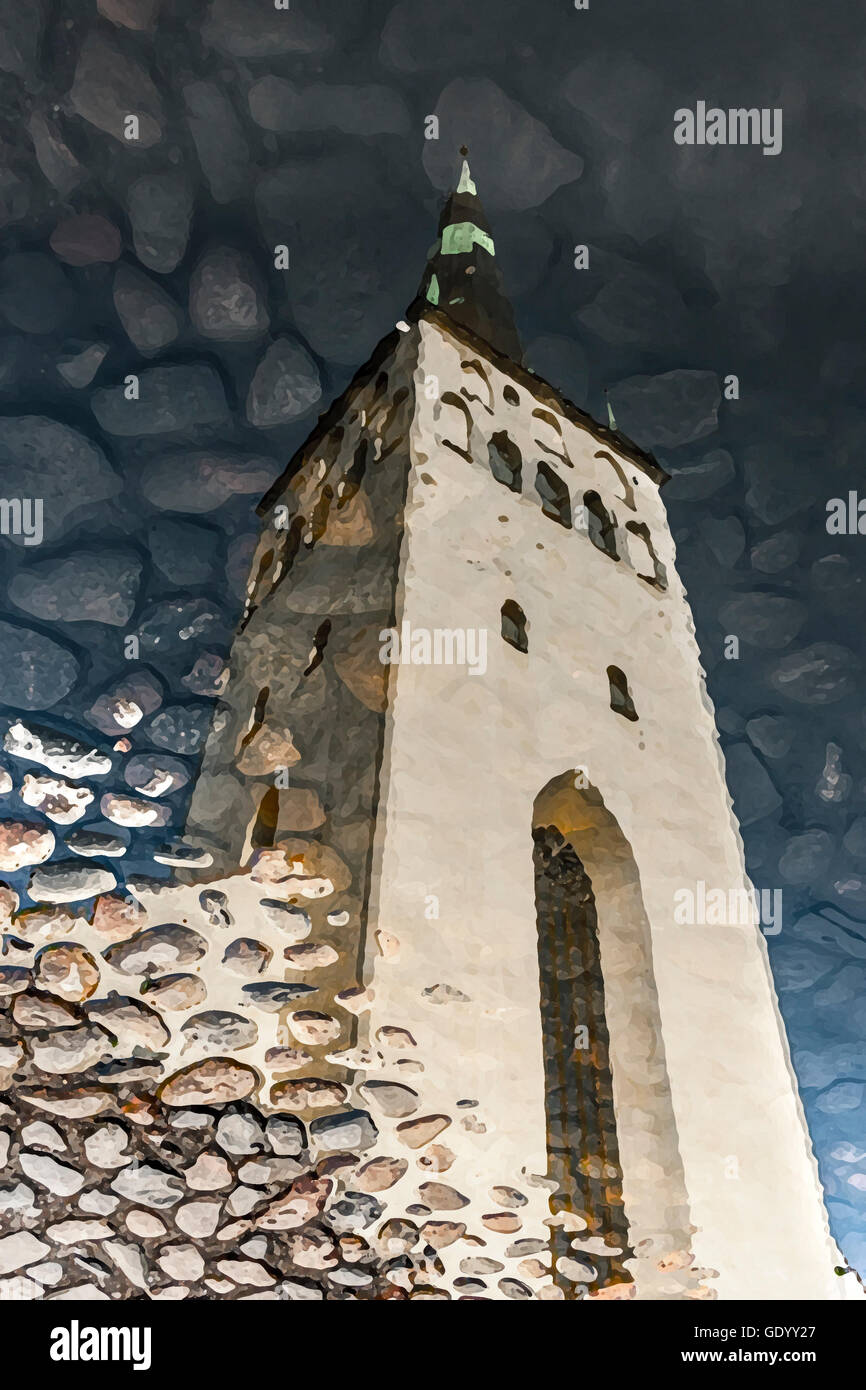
463 778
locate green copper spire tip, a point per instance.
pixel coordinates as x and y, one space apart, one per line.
462 280
610 419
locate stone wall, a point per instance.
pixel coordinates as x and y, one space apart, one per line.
335 1027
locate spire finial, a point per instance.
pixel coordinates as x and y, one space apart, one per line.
466 184
610 416
462 279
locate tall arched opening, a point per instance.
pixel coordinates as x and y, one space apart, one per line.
620 1209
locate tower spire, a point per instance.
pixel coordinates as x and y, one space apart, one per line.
462 278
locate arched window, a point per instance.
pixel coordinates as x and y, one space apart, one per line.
514 625
658 575
553 424
555 501
505 461
600 524
449 398
475 367
627 488
620 695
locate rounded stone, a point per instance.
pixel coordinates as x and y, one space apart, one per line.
155 774
216 1081
310 956
508 1197
287 917
198 1219
285 1135
350 1131
35 672
247 957
160 211
181 1262
272 996
308 1093
505 1222
240 1134
115 915
86 238
129 811
312 1028
147 1185
440 1234
380 1174
69 881
176 992
416 1133
40 1135
82 1105
144 1224
23 843
209 1173
47 1172
287 1058
68 971
91 844
156 949
285 386
226 299
440 1197
62 802
150 318
219 1031
14 979
31 1011
106 1147
391 1098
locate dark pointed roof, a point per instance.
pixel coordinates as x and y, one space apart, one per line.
462 278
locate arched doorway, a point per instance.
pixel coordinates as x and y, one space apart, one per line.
620 1206
583 1153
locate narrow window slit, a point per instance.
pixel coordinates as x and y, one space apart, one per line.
601 525
320 641
505 461
257 718
658 578
514 625
621 701
555 501
265 829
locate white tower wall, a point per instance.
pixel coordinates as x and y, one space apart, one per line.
699 1058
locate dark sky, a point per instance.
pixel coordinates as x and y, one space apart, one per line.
307 128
